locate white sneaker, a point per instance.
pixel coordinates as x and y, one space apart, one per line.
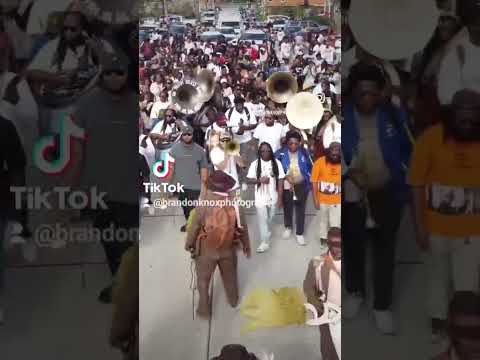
351 306
384 321
29 251
264 246
151 210
287 233
301 240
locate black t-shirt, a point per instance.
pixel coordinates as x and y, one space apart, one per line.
12 160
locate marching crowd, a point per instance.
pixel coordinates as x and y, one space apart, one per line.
241 139
410 139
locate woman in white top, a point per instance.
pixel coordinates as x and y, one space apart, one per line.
267 174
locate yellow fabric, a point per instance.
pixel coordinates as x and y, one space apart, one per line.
270 308
192 215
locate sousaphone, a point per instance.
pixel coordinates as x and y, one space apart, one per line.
393 29
281 87
189 96
304 110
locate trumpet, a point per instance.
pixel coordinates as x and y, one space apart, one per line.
232 148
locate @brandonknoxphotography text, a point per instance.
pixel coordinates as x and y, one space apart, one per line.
47 234
161 203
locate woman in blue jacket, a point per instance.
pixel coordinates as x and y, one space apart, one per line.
297 165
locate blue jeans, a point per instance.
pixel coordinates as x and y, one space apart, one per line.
265 216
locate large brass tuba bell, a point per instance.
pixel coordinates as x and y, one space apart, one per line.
304 110
281 87
189 96
186 98
206 85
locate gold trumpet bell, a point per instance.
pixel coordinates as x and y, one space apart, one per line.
281 87
232 147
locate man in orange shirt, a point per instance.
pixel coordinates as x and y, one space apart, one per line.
445 175
326 180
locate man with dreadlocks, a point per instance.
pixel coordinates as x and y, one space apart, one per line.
267 174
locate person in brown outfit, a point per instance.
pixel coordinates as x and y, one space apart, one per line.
214 234
463 327
323 283
124 329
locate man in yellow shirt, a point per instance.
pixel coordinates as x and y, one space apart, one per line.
326 180
445 175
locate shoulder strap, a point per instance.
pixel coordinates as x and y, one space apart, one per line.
461 55
230 112
325 276
248 113
11 91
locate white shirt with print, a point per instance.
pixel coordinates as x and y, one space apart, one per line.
265 194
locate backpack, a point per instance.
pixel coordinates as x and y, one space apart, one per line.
220 228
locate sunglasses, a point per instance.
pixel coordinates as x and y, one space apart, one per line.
265 151
114 72
187 134
70 28
225 140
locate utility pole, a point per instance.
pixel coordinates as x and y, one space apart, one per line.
165 10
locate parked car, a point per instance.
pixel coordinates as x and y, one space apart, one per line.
178 30
272 18
212 36
289 30
257 37
176 18
190 21
279 24
228 32
208 24
312 26
209 15
235 24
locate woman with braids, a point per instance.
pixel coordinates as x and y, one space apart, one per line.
267 174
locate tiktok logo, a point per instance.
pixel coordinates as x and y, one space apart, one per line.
47 144
162 168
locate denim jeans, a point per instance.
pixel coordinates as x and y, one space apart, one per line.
265 216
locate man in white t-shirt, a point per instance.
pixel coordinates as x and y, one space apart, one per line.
286 49
159 106
266 174
270 132
459 68
257 108
242 122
